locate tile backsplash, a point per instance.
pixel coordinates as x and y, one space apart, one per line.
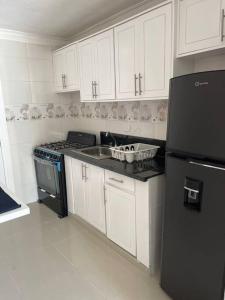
145 111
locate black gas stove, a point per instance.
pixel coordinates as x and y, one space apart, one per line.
50 169
57 146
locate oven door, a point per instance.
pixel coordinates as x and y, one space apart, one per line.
47 174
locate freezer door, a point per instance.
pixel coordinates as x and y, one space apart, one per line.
193 260
196 115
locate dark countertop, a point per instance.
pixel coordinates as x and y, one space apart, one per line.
142 170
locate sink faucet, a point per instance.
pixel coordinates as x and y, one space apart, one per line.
113 137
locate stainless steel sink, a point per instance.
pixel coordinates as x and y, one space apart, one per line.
97 152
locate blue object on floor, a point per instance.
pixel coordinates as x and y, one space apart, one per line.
7 203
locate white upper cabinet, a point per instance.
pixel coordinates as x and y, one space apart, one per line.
155 56
132 61
97 75
58 67
200 25
125 58
66 69
143 54
87 69
105 70
72 76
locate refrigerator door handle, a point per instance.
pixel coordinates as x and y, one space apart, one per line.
191 190
207 166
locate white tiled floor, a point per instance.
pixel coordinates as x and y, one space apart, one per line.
44 258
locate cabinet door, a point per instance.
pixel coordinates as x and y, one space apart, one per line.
105 70
2 168
94 196
120 218
199 25
155 53
125 60
69 184
58 67
87 69
71 68
80 207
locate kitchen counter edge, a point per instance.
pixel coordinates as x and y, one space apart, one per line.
113 165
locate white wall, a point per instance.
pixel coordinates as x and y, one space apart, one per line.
209 62
27 84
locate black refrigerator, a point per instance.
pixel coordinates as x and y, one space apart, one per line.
193 256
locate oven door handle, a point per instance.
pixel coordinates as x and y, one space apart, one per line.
48 162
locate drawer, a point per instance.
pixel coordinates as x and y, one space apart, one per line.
120 181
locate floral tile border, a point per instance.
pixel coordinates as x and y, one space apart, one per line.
144 111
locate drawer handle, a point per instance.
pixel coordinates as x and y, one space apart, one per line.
117 180
44 191
52 196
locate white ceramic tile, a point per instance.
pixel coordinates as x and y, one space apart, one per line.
146 111
160 130
209 63
8 288
16 92
43 257
42 92
40 70
117 126
14 69
64 98
39 51
13 49
26 163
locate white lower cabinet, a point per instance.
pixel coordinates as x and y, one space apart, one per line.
85 192
80 203
149 207
94 196
120 218
128 211
2 168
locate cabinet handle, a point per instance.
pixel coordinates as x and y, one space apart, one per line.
64 81
52 196
135 85
92 87
85 175
95 85
117 180
222 25
140 89
82 171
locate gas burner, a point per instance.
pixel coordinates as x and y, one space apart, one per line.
56 146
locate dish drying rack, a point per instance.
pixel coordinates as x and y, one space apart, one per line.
134 152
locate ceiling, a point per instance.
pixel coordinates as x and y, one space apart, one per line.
62 18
